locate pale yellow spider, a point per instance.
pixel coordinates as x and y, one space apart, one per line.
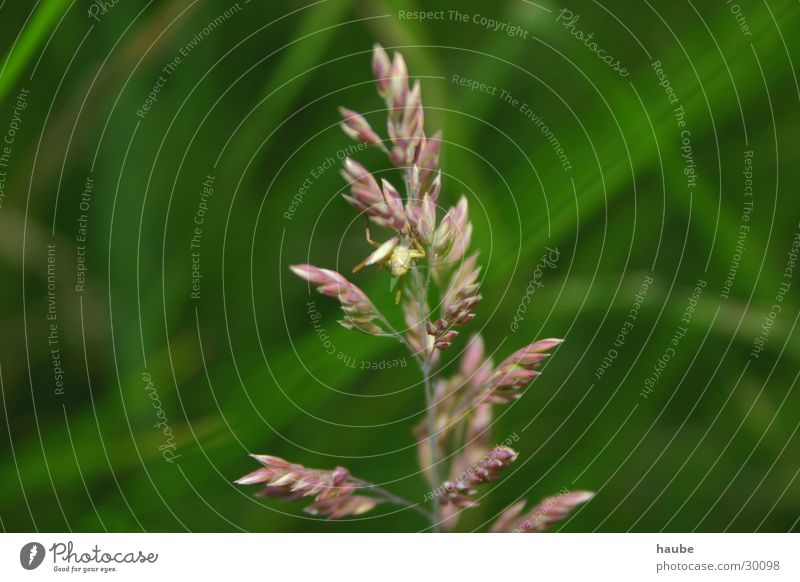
399 256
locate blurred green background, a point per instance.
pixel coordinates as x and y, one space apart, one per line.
251 101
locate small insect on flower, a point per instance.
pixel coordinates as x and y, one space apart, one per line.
396 253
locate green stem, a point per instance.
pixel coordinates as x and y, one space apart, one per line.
430 398
430 405
424 361
398 336
390 497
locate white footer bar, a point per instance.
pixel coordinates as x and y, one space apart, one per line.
423 557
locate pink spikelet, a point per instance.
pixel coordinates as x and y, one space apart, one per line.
460 297
356 127
383 206
358 309
461 492
332 490
547 512
516 372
